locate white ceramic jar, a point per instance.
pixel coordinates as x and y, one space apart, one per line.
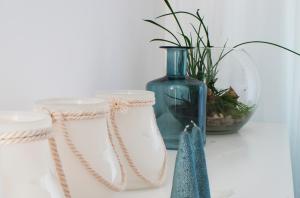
137 137
25 158
90 164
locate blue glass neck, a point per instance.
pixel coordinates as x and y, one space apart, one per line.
177 62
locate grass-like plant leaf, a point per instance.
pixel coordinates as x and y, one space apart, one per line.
165 40
268 43
177 12
199 38
258 42
164 28
175 17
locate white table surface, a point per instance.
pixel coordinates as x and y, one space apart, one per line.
255 163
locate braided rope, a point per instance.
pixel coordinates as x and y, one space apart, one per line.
37 135
119 105
62 118
68 116
59 168
24 136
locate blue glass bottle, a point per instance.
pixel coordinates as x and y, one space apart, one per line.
179 98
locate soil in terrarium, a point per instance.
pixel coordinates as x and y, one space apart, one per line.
225 113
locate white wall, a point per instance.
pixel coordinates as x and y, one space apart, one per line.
74 48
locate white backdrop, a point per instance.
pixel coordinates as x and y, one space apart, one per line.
74 48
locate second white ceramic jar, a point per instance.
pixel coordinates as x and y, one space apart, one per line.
137 137
90 164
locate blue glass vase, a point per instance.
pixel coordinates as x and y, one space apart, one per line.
179 98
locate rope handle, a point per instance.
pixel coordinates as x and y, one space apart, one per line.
65 116
25 136
59 168
61 118
118 105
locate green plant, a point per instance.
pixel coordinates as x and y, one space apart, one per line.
200 63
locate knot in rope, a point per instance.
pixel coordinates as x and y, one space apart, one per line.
119 105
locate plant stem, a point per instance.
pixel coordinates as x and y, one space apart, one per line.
164 28
268 43
261 42
176 19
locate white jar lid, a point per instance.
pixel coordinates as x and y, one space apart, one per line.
12 121
128 95
73 105
24 127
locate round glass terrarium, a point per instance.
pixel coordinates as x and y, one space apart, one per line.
233 89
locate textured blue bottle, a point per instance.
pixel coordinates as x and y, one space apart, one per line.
179 99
